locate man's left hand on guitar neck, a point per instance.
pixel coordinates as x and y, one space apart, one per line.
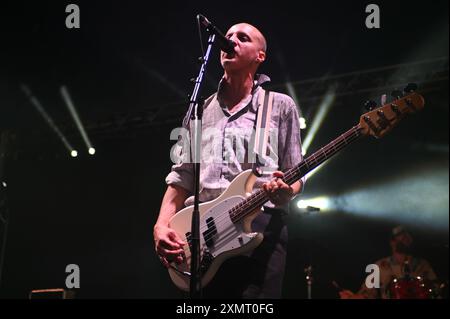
279 192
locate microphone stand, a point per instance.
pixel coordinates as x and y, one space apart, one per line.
195 114
309 280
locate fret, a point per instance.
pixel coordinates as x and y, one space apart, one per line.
334 146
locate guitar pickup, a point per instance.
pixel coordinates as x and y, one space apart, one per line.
210 232
189 239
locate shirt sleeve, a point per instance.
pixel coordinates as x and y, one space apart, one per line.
182 175
182 171
290 153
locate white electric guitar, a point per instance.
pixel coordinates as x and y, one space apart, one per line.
225 223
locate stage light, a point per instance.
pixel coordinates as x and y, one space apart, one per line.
74 153
76 118
302 204
302 123
321 203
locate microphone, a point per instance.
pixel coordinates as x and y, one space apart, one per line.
226 45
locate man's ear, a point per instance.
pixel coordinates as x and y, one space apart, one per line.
261 56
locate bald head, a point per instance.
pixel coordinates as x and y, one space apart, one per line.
254 33
250 50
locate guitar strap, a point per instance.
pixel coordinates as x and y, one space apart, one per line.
262 127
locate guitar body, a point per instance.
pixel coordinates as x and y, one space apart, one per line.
220 237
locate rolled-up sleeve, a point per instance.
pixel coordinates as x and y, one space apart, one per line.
181 175
182 172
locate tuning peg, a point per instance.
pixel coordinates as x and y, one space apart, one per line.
397 94
370 105
411 87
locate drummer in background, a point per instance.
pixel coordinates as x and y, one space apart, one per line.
399 265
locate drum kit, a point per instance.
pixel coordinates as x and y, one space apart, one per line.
406 287
409 287
413 287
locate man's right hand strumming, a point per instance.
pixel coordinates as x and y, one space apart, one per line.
168 245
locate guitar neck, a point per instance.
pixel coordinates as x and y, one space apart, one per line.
292 175
322 155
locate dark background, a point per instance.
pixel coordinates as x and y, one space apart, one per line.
134 59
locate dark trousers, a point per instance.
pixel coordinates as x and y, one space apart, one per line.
260 273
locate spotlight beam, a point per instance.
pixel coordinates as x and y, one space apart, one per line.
75 116
292 93
324 108
37 105
290 89
418 196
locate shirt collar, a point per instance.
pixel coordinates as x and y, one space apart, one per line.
259 80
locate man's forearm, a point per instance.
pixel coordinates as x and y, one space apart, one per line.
172 202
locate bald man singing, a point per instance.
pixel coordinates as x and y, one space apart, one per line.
232 111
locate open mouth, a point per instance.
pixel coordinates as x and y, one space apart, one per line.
229 55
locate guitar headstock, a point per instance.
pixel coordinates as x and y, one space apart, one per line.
381 120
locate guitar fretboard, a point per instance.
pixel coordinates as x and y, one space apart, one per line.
292 175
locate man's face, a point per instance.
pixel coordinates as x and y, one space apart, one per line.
402 243
249 49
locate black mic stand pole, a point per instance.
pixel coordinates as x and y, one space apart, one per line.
195 113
